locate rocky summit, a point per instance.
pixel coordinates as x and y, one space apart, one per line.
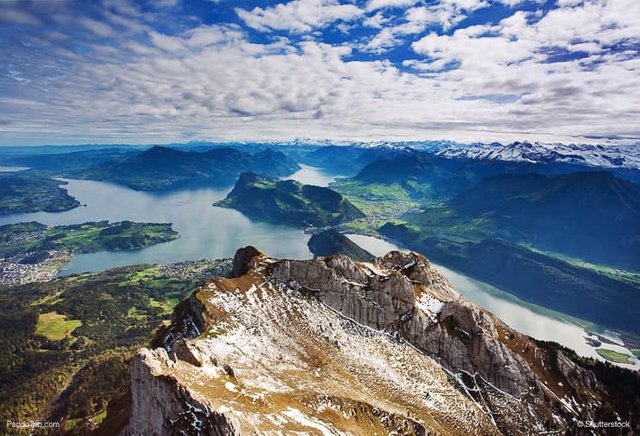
333 346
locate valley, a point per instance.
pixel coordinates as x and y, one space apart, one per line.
381 202
410 208
319 217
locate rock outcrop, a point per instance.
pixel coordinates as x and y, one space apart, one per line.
331 345
331 242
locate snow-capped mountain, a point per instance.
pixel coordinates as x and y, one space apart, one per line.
605 156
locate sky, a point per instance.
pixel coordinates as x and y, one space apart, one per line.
163 71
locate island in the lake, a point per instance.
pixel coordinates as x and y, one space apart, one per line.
28 192
36 252
289 202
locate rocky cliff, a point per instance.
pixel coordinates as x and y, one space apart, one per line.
329 345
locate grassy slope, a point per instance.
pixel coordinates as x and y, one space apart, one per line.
76 335
56 327
27 192
613 356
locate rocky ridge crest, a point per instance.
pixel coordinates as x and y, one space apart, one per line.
332 345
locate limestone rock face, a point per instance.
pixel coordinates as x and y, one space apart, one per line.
160 407
332 345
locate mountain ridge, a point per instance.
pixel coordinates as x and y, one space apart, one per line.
331 242
160 167
591 215
301 345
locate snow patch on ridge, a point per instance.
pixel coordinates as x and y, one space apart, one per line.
430 306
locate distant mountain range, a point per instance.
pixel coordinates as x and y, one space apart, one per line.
419 174
162 168
591 215
534 153
584 154
351 159
289 202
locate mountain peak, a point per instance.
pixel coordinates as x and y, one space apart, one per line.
161 150
543 153
295 346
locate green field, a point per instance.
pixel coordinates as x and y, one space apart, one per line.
55 326
613 356
376 199
48 299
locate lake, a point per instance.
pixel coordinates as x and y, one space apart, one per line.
213 232
312 176
205 231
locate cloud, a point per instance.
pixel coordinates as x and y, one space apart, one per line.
568 73
445 14
569 2
97 27
14 15
375 21
298 15
379 4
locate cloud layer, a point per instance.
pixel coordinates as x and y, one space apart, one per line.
381 69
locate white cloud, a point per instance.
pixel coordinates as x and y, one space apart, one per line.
379 4
215 82
298 15
14 15
569 2
209 35
376 21
97 27
168 43
445 14
513 3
